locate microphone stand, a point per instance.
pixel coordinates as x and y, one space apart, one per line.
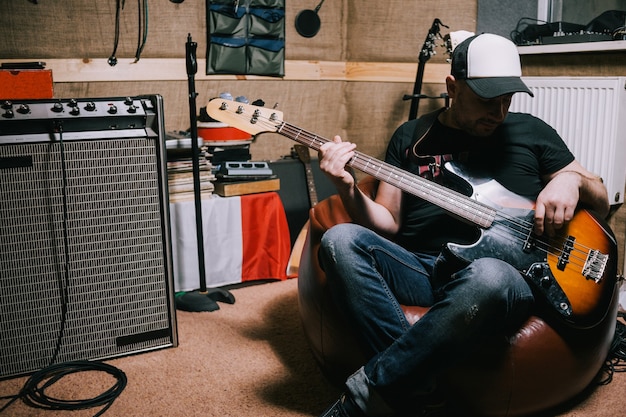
199 300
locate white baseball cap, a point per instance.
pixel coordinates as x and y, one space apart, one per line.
490 65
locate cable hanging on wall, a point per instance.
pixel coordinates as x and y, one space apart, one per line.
142 27
119 5
142 36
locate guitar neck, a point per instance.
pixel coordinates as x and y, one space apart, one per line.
310 182
304 157
450 200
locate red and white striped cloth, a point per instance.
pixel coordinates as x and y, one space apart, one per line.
246 238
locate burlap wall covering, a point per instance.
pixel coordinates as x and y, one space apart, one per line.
351 30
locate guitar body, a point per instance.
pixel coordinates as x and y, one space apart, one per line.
580 300
296 251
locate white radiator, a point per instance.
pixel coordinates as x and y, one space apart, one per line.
590 115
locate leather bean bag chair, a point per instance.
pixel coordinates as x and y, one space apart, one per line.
536 369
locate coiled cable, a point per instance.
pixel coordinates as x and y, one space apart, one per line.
34 391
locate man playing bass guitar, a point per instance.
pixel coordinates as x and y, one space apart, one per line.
392 254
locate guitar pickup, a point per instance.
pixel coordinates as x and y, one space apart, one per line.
568 246
529 243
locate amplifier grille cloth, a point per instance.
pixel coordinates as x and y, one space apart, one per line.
115 262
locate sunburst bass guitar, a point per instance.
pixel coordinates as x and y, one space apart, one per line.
574 272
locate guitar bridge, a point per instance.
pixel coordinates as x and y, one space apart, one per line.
595 265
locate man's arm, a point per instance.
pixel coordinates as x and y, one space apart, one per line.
382 214
565 190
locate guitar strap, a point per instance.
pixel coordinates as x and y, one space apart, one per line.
429 165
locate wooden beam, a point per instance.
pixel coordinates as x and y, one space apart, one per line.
395 72
174 69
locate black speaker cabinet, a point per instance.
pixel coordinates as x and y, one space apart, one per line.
85 248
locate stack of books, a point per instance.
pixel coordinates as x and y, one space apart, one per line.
180 179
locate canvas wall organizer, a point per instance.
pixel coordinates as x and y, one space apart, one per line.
246 37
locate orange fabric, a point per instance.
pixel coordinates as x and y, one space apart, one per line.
266 239
25 84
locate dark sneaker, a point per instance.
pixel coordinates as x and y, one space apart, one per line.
343 407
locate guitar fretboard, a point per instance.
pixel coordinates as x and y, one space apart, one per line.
450 200
305 158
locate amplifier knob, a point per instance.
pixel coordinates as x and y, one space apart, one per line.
132 109
8 114
112 109
75 111
128 101
90 106
72 103
23 109
57 107
7 104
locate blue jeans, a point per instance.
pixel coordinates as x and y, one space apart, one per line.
369 278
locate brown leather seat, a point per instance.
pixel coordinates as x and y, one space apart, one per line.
535 369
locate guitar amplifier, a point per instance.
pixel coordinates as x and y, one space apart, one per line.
85 249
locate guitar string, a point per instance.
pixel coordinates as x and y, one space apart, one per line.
362 162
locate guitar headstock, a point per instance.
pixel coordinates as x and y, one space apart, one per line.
428 48
246 117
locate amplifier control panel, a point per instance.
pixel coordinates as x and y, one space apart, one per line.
74 115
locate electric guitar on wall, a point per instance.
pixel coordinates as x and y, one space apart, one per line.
575 271
427 51
294 260
450 41
305 157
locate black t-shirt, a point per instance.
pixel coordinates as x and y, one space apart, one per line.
517 155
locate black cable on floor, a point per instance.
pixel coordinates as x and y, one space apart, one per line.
34 391
616 359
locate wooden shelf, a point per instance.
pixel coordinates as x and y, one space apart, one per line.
174 69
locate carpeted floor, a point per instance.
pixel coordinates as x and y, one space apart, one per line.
246 359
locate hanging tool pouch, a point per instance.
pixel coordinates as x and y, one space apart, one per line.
246 37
